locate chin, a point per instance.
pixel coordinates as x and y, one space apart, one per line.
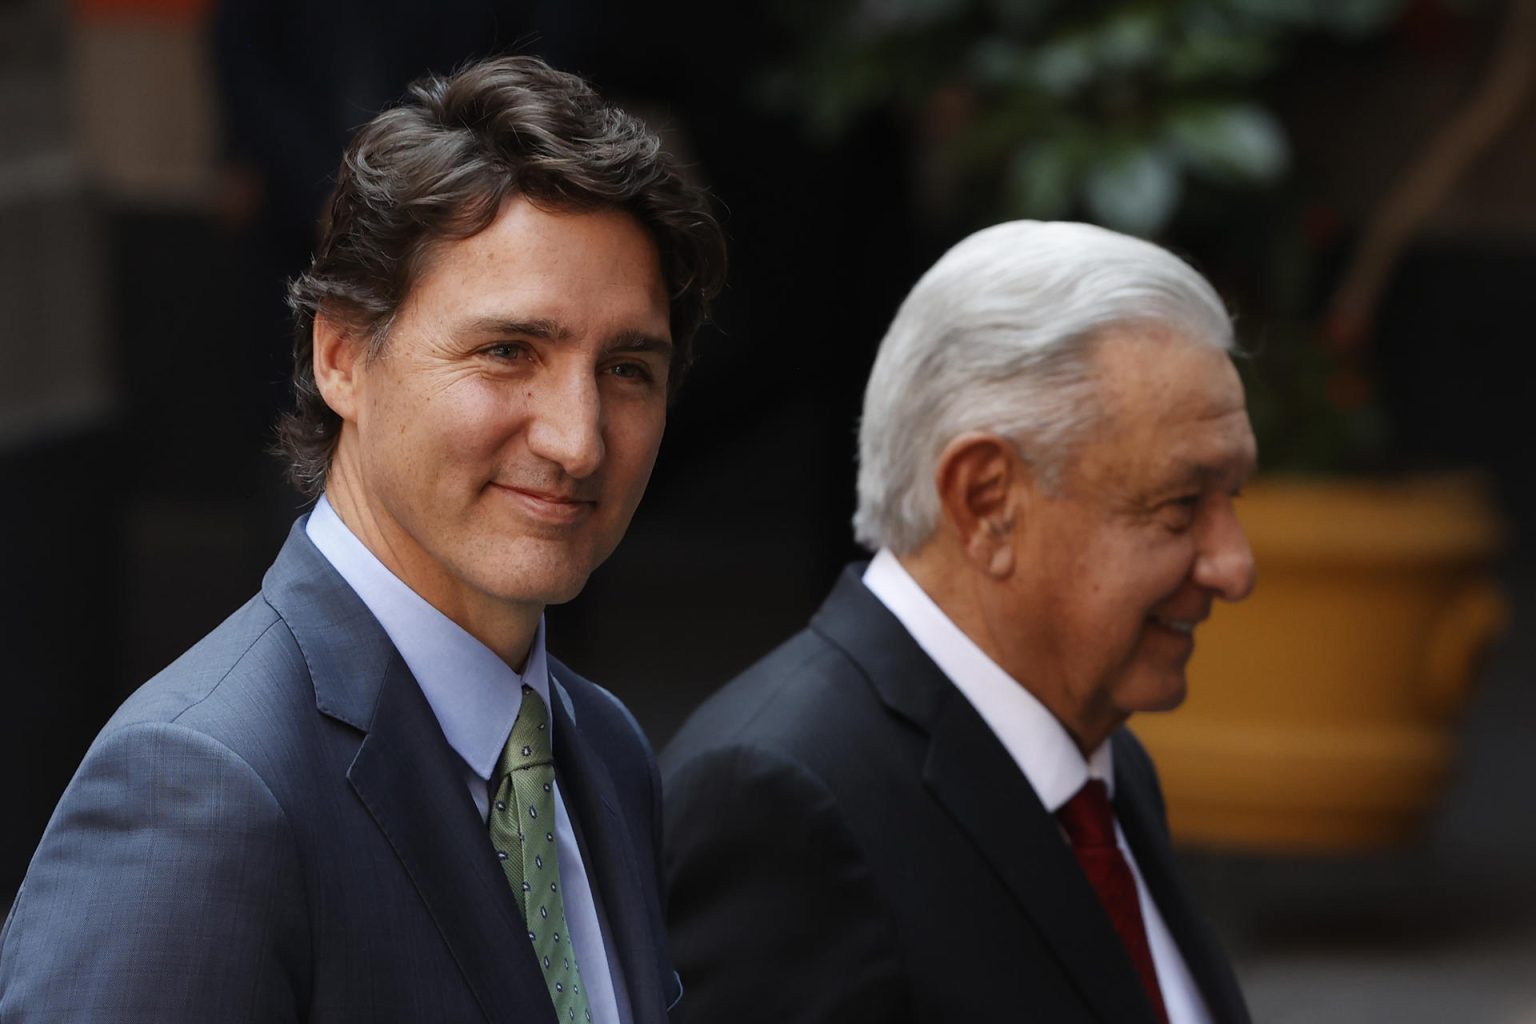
1171 699
1162 694
518 584
562 593
542 574
543 591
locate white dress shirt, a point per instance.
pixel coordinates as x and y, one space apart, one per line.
1038 744
475 696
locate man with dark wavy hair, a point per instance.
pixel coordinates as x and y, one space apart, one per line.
370 794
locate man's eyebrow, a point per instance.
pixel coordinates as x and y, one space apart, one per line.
640 341
1201 473
546 329
535 327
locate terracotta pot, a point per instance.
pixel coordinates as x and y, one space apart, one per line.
1322 710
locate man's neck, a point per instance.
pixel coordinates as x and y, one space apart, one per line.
947 579
506 628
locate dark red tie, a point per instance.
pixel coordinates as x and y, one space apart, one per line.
1090 823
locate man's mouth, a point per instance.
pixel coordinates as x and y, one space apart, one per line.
554 505
1185 626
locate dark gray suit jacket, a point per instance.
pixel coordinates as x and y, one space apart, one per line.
275 829
847 841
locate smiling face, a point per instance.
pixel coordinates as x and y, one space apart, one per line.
1116 567
493 453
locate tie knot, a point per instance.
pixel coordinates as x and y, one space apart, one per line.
1087 817
528 745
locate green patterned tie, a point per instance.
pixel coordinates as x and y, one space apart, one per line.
522 826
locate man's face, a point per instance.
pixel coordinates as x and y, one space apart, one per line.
1117 566
504 436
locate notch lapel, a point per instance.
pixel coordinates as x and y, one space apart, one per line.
405 776
972 777
611 868
409 781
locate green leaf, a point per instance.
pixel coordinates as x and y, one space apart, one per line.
1064 66
1229 141
1202 53
1130 38
1135 192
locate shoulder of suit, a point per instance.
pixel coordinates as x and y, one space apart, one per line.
249 661
806 701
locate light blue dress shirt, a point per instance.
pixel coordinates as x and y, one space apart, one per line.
476 696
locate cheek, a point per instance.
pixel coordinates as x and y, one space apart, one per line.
1116 597
1151 564
466 422
1172 565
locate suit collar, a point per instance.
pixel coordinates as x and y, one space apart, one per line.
1034 738
976 782
346 651
474 694
407 778
906 680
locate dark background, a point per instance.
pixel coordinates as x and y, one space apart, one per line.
159 167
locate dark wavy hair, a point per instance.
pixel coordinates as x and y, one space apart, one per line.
438 168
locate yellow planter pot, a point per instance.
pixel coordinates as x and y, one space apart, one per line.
1321 710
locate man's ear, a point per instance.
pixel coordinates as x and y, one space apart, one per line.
338 360
980 491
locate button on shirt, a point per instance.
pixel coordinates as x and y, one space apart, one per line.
1038 743
475 696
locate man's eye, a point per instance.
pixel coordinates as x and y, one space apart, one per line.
631 371
1179 513
506 350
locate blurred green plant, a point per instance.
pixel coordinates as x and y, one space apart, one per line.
1051 108
1132 113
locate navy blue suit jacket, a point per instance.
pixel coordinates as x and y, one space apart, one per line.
274 828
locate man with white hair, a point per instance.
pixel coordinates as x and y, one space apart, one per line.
925 807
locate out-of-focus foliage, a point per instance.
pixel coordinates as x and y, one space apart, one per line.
1312 411
1051 108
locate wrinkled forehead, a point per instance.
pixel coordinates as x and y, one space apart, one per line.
1167 405
1149 372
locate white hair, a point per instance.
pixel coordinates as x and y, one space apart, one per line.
998 336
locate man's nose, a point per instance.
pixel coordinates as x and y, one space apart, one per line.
566 426
1225 561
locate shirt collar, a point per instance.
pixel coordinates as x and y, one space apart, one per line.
1038 743
473 693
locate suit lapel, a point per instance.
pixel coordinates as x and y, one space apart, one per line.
409 780
611 869
405 775
976 782
971 775
1154 859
